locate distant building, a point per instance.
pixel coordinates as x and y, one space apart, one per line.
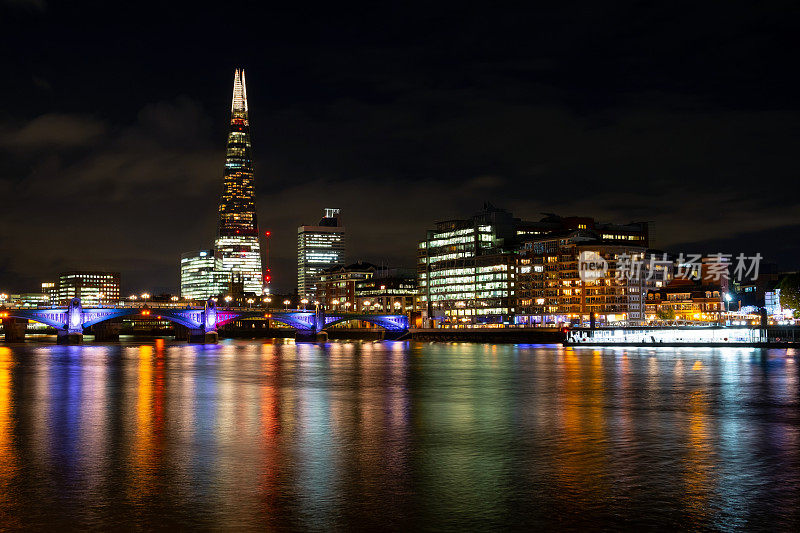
686 300
388 291
319 248
336 287
202 275
49 288
93 288
29 299
34 299
634 233
753 292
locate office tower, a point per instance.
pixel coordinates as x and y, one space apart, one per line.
318 248
202 275
466 268
237 243
93 288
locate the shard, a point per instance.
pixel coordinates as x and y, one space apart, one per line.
237 242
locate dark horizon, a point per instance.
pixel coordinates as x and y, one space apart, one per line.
114 131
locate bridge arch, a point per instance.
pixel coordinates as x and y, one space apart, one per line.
302 321
387 322
56 318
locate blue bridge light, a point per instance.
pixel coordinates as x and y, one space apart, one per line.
74 318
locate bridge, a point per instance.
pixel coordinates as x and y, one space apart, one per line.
202 323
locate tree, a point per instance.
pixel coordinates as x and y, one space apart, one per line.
665 313
790 293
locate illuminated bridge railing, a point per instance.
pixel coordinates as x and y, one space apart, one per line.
74 318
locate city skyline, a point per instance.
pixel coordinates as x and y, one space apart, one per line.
633 143
421 268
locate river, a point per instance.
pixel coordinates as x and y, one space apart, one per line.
397 435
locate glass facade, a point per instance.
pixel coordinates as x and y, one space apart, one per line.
237 242
319 248
465 275
202 275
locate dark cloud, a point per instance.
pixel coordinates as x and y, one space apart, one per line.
684 114
52 131
129 203
776 244
27 5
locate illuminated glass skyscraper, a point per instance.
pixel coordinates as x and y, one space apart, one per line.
318 248
202 276
237 243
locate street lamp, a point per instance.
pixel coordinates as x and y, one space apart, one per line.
397 305
334 303
132 297
228 299
286 304
304 301
174 298
347 305
250 303
3 296
728 299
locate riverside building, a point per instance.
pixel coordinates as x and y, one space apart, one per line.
495 269
554 289
466 269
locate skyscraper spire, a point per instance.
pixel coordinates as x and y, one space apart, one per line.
239 100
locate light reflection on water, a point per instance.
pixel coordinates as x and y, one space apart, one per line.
397 435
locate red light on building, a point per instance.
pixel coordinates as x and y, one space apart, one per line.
267 233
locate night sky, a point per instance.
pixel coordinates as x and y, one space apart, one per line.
114 122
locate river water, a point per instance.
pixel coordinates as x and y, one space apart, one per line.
397 435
